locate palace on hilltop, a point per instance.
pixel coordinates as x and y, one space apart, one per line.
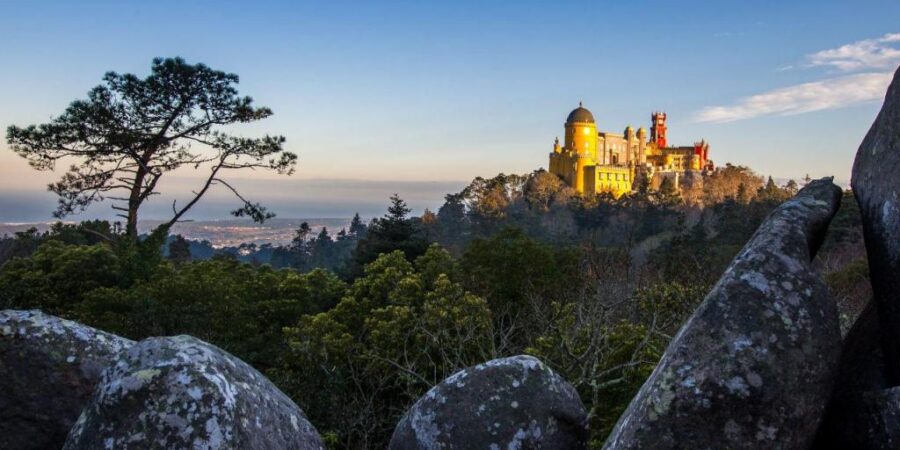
592 161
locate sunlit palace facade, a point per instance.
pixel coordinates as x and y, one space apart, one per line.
592 161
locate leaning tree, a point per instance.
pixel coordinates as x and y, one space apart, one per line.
129 132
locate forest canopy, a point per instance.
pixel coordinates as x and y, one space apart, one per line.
355 325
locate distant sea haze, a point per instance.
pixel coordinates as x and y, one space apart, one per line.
221 233
287 197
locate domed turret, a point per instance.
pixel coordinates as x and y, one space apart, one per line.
580 114
581 139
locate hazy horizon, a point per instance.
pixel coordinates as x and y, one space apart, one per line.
301 199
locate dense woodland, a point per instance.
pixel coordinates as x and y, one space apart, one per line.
356 325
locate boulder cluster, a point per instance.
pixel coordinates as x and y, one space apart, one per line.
760 363
67 385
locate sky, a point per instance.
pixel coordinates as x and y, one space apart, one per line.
420 97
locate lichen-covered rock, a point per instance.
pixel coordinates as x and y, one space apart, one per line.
508 403
181 392
754 366
48 370
876 185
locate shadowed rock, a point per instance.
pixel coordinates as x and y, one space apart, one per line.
864 412
181 392
876 185
868 420
862 362
865 409
509 403
754 366
48 370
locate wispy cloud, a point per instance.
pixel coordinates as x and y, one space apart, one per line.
826 94
871 56
867 54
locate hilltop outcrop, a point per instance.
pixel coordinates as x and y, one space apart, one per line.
67 385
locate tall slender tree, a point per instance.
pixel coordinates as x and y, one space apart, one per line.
357 227
130 132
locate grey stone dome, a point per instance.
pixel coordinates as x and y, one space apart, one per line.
580 114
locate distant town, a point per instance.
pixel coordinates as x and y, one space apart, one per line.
220 233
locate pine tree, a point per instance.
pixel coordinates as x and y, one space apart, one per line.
130 132
398 211
791 187
300 236
357 227
179 250
770 191
393 231
322 251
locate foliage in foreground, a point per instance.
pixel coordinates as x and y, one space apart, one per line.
356 355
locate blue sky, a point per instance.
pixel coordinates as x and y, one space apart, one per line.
427 95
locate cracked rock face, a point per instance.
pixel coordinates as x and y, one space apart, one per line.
48 370
754 366
876 185
180 392
508 403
